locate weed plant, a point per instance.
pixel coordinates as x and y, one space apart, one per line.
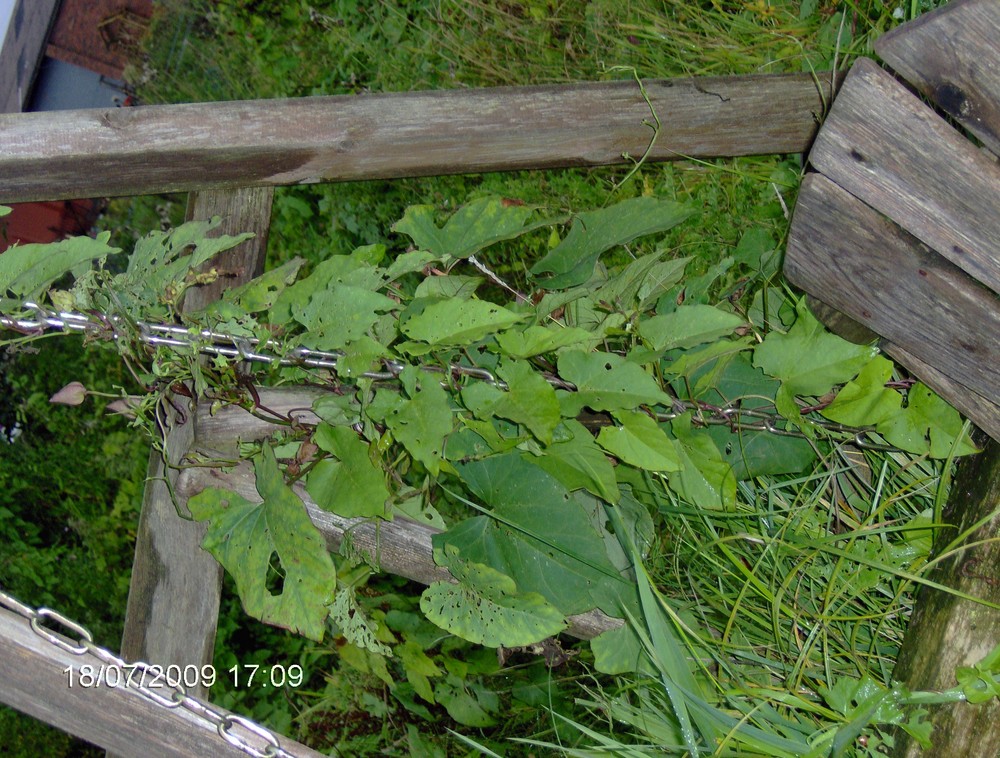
805 587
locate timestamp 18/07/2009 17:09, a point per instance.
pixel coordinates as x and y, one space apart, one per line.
189 677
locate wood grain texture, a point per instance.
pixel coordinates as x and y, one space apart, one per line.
175 589
151 149
864 265
893 152
951 55
945 631
32 672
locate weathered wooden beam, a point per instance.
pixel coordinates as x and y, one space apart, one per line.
34 680
946 631
951 56
143 150
886 147
864 265
173 602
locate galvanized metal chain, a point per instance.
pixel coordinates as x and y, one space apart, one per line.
230 727
209 342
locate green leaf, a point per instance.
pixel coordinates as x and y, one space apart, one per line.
351 486
809 360
453 285
705 480
423 421
641 280
688 326
485 606
606 382
340 314
463 706
579 463
456 322
338 270
359 357
259 294
418 667
572 261
865 400
639 441
474 226
536 340
243 536
537 534
27 270
528 399
926 425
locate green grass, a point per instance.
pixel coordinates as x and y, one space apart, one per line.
806 585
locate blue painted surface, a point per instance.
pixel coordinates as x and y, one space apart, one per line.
62 86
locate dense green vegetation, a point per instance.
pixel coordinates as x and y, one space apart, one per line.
795 598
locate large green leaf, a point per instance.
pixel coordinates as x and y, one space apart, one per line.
338 270
422 422
528 399
243 537
537 534
572 261
865 400
688 326
26 270
639 441
472 227
340 314
808 359
606 382
351 486
578 462
486 607
926 425
456 322
705 479
642 280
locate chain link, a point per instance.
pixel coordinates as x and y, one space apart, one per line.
208 342
170 696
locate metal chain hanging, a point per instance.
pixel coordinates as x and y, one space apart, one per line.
169 696
209 342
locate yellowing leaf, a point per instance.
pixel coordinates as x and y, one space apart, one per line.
249 539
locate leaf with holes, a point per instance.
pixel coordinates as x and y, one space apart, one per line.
423 421
26 270
528 399
243 537
705 479
926 425
485 606
606 382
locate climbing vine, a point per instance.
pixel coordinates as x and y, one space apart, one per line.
541 430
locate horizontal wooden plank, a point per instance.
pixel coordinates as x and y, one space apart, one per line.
883 145
132 151
35 681
951 55
402 547
862 264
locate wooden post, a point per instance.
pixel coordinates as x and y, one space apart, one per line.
946 631
173 603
